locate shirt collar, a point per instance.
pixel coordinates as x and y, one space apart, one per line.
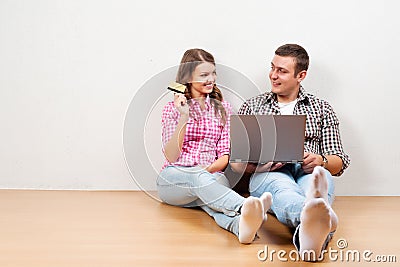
207 102
302 94
271 97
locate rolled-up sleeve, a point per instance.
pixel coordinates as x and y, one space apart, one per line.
169 120
331 141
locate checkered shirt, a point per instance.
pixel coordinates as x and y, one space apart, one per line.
322 134
206 139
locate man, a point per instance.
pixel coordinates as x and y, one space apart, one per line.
302 193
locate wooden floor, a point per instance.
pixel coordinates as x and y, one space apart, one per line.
80 228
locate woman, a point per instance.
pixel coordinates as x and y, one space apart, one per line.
195 134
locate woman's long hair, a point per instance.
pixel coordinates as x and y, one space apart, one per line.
190 60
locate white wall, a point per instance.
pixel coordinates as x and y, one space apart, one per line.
69 70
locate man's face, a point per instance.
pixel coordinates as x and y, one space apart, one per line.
283 81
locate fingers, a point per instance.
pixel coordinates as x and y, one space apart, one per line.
307 158
310 161
308 168
264 167
270 166
179 99
277 165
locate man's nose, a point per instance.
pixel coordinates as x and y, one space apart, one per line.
274 74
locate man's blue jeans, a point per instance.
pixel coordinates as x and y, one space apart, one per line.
288 186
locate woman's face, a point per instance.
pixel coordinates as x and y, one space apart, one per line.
203 80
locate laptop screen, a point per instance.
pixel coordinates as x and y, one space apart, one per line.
267 138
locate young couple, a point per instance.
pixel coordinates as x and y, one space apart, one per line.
195 136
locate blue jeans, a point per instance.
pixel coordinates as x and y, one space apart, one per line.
194 186
288 186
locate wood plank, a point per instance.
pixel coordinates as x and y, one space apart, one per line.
128 228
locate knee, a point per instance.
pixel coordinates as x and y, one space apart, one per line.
221 179
259 184
164 177
202 178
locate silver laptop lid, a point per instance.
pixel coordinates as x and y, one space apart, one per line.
267 138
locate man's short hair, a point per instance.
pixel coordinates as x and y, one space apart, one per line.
298 53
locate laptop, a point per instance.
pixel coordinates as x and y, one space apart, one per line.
267 138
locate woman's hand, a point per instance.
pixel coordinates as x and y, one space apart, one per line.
269 167
180 103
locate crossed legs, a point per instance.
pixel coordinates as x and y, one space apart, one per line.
192 186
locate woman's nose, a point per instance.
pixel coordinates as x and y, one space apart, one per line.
211 78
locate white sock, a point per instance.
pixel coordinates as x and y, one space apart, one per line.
319 189
317 219
250 220
319 185
266 200
315 225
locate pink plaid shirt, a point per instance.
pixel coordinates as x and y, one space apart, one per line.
206 138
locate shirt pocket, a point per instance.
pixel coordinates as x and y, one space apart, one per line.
313 127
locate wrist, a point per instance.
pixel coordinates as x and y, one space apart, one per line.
184 117
324 161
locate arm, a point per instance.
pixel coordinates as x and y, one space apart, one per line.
173 147
330 145
334 164
223 144
218 165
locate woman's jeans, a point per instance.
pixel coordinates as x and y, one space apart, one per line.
288 186
194 186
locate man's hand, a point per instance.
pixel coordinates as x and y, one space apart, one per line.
310 161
